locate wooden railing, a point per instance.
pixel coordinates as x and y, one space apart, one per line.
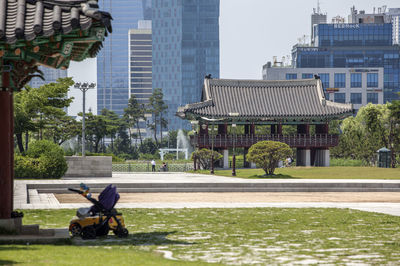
294 141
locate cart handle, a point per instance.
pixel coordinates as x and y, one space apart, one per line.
76 190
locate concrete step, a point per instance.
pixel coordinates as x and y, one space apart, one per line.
30 229
237 189
46 232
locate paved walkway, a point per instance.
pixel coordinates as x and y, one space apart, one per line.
48 201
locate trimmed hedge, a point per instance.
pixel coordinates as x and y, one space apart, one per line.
44 159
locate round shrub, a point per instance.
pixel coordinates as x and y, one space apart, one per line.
44 159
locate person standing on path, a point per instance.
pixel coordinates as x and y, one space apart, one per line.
153 165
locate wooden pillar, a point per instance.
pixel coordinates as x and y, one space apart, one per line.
6 148
273 129
252 129
279 129
247 129
303 129
203 131
223 129
322 129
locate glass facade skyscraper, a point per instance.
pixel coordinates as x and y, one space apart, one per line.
185 50
354 45
50 75
113 59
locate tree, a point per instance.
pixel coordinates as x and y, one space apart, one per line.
204 157
133 114
36 108
267 154
112 124
96 129
157 108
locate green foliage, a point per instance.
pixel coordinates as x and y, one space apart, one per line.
170 156
157 108
374 127
267 154
204 157
148 146
44 159
115 158
42 110
149 156
346 162
133 114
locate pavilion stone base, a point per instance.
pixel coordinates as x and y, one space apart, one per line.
90 166
303 157
322 158
226 159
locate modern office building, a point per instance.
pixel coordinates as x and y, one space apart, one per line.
50 75
185 50
113 59
317 17
354 45
140 66
358 86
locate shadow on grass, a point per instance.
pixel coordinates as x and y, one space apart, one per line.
7 262
137 239
279 176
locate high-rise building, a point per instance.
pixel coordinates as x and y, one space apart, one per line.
113 59
50 75
140 72
354 45
317 17
185 50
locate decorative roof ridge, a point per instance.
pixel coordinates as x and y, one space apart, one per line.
339 105
193 106
261 83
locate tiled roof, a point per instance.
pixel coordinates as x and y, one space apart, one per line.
265 100
28 19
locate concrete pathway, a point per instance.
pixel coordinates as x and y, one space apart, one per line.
48 201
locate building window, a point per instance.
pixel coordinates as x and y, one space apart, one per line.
327 96
356 80
290 76
325 80
372 98
307 76
355 98
372 80
340 80
340 97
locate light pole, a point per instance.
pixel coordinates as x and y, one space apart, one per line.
234 155
234 142
84 87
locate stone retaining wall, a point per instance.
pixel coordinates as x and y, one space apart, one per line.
90 166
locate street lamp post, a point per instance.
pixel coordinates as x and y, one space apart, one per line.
234 142
234 155
84 87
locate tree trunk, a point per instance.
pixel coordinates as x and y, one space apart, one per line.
26 140
140 134
161 130
19 142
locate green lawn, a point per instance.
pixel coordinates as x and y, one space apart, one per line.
317 173
229 236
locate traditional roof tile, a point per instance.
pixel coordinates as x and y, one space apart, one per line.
265 100
28 19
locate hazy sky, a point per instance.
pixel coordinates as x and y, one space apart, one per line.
253 31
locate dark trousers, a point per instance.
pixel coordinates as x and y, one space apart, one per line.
153 168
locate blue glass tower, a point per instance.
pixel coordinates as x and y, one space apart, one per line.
185 50
355 45
113 59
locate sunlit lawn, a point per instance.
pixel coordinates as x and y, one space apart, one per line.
316 173
262 236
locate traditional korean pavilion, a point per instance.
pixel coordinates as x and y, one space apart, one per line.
227 102
33 33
